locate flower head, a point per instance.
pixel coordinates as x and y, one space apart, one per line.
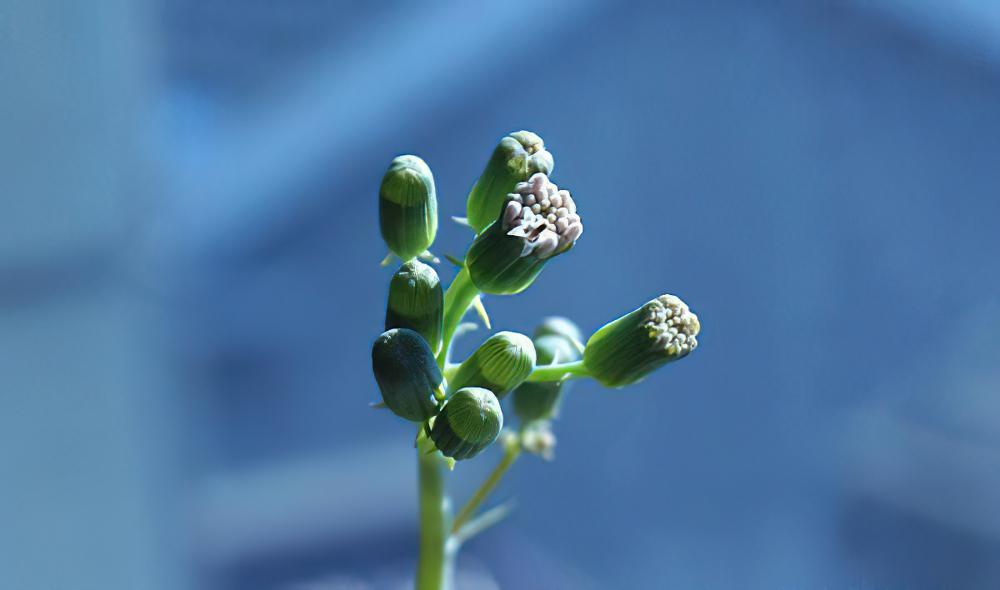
408 207
516 158
469 422
626 350
537 222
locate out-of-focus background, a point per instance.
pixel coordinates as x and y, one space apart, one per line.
189 287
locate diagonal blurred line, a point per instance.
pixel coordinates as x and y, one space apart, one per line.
340 106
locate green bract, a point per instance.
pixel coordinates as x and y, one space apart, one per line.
499 364
407 207
469 422
540 401
407 374
626 350
416 301
538 222
515 159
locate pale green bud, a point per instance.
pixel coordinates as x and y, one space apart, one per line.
540 401
626 350
499 364
515 159
407 207
558 326
469 422
538 222
407 374
416 301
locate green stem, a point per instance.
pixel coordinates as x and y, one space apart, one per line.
435 566
511 452
457 300
559 372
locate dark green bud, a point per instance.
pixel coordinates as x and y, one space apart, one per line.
499 364
540 401
538 222
629 348
558 326
407 374
416 301
407 207
469 422
515 159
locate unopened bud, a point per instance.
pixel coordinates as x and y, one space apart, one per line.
499 364
407 207
469 422
416 301
515 159
534 401
407 374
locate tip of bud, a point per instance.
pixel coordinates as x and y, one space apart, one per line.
468 423
672 325
543 215
559 326
408 181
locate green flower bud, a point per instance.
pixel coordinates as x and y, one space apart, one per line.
558 326
469 422
515 159
416 301
538 222
407 374
540 401
407 207
626 350
499 364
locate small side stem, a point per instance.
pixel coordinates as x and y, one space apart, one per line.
512 450
434 568
559 372
457 300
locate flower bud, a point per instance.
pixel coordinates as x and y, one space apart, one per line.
538 222
407 207
540 401
407 374
499 364
626 350
416 301
469 422
515 159
558 326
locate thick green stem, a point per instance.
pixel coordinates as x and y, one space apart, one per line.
512 450
435 567
559 372
457 300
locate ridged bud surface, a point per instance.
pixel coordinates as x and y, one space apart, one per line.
416 301
499 364
626 350
515 159
469 422
406 373
407 207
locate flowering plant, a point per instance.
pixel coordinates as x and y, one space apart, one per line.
522 221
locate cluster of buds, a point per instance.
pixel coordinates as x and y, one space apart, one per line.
522 221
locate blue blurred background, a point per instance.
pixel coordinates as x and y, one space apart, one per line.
189 287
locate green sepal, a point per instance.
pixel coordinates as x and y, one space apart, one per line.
407 374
